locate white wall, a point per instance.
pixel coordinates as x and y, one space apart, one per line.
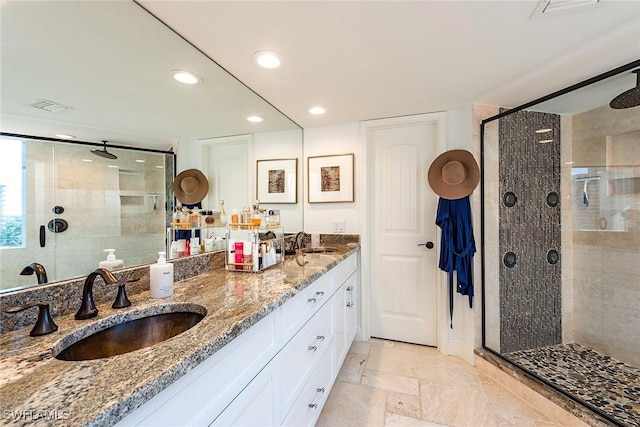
331 140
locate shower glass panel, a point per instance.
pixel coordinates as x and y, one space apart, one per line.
561 233
79 204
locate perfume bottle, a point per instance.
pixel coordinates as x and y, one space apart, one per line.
223 215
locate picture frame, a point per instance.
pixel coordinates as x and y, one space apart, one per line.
277 180
330 178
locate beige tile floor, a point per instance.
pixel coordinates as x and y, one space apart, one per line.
391 384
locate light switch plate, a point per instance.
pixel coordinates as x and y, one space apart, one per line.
338 226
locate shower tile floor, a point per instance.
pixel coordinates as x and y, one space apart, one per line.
599 380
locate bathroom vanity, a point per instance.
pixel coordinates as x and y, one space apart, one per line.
266 353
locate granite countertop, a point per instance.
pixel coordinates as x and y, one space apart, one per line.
37 389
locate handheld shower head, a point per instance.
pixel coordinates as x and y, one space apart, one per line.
104 153
629 98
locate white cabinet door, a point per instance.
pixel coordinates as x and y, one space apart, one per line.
351 308
257 405
340 323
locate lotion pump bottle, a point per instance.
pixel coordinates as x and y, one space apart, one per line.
111 263
161 277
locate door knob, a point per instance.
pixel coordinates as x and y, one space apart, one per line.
429 245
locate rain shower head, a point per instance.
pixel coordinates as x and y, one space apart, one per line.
629 98
104 153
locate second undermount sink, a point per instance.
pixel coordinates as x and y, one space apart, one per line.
318 250
131 335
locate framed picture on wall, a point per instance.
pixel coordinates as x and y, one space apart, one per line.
277 181
330 178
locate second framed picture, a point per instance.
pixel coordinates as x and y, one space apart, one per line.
277 181
330 178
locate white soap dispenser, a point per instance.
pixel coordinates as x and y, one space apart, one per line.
161 277
111 263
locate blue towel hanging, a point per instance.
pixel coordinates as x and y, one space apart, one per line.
457 246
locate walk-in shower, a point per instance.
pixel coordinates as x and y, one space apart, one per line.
64 206
561 245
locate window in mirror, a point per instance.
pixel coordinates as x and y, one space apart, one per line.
12 200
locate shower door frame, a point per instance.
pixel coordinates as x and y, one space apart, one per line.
528 373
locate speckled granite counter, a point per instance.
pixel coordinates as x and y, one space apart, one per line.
37 389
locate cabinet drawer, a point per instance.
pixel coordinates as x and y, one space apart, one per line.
297 311
303 353
307 407
343 270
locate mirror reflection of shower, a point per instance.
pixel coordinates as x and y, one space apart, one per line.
104 153
585 188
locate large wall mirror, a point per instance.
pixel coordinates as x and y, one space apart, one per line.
102 71
561 233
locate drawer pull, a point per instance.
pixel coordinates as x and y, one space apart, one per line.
313 405
320 337
312 300
320 390
320 293
312 348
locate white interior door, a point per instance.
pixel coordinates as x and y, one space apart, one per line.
227 170
403 209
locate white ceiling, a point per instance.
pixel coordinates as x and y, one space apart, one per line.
370 59
109 60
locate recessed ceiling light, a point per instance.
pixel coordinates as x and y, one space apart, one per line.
267 59
186 77
87 160
545 130
317 110
65 136
569 163
160 167
545 141
255 119
113 166
140 161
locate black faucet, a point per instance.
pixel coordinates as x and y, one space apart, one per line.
298 241
38 269
88 307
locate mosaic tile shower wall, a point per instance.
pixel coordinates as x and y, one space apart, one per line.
529 234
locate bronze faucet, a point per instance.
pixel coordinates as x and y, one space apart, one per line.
88 308
38 269
44 325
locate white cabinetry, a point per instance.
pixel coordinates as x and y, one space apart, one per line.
279 372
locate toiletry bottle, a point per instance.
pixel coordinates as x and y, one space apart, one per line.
194 246
255 257
161 277
239 255
223 215
246 218
111 262
234 219
247 251
255 214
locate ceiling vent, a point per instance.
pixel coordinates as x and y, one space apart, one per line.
50 106
556 7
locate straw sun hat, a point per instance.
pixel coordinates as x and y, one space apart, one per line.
454 174
190 186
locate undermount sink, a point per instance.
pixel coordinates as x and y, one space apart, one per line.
318 250
131 335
